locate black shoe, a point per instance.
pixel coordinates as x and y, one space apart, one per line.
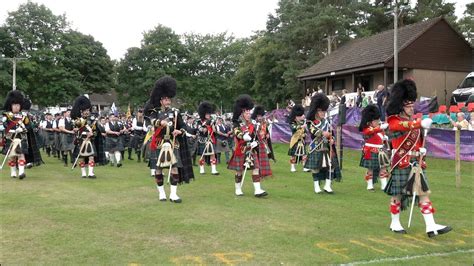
22 176
215 173
92 176
29 165
130 158
13 176
162 200
371 190
119 165
261 194
399 231
440 232
84 176
329 192
176 201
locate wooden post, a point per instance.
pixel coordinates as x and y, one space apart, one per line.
457 158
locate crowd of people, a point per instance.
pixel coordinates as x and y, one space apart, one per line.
171 142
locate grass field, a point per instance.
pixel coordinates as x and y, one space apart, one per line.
56 217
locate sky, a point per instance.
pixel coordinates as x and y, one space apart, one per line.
120 24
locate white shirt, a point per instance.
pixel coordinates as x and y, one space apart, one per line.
135 127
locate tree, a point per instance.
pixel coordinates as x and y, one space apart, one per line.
211 62
161 53
466 24
60 65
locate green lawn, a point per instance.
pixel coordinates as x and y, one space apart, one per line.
56 217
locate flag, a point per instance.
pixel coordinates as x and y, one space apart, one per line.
129 111
114 109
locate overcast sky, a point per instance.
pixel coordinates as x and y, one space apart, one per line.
119 24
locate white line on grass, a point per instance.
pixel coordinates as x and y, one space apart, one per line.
410 257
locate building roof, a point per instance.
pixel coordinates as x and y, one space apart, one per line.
103 99
369 51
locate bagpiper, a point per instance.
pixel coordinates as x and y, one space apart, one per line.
66 127
374 152
48 133
407 139
297 149
248 155
33 158
114 140
265 141
86 130
168 143
322 159
139 128
15 123
207 137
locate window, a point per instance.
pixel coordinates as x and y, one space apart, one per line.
338 84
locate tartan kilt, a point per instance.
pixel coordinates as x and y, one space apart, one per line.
323 174
372 163
314 160
126 140
137 141
113 144
48 138
237 162
153 157
67 142
57 141
398 181
192 145
220 148
264 161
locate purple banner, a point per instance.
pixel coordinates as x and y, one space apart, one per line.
440 143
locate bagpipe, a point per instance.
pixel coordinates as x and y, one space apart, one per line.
299 138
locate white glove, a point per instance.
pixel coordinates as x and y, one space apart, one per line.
384 126
253 144
19 130
426 123
385 137
423 151
247 137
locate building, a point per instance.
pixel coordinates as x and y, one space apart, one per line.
431 52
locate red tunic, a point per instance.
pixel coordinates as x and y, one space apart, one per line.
373 140
399 128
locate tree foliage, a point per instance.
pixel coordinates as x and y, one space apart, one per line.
59 63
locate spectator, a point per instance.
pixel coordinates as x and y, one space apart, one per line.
359 88
461 122
365 100
471 122
307 99
381 97
359 98
334 99
441 120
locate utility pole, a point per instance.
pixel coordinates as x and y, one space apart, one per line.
395 42
14 60
397 11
